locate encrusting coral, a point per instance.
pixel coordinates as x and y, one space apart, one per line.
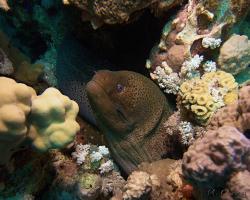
235 54
48 119
202 97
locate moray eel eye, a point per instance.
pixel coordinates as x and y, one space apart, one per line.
119 87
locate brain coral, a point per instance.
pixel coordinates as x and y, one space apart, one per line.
48 119
53 122
213 158
235 54
202 97
15 105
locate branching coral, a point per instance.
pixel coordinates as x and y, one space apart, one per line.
48 120
94 158
235 54
211 43
202 97
167 80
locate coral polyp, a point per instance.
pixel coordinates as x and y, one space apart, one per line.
199 98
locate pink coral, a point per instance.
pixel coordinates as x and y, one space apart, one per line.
236 115
238 188
213 158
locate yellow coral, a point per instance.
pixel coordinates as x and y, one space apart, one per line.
15 105
53 120
48 120
202 97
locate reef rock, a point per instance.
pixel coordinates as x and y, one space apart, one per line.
238 187
6 67
113 11
235 54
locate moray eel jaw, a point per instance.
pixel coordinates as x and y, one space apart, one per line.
128 108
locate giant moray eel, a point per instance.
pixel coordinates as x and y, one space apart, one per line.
130 110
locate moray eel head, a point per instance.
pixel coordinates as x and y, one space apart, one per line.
127 107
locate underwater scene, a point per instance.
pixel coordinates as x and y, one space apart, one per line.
124 100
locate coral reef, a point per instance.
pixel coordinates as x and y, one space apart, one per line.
139 185
48 119
194 36
200 98
181 134
83 181
220 158
113 11
235 115
157 181
238 187
28 175
235 54
213 159
209 161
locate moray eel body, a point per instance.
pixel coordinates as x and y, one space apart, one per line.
130 110
75 66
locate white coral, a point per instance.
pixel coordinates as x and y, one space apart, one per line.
167 80
187 133
96 156
211 43
189 67
81 153
209 66
103 150
106 167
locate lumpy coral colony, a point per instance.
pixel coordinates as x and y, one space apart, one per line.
197 149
